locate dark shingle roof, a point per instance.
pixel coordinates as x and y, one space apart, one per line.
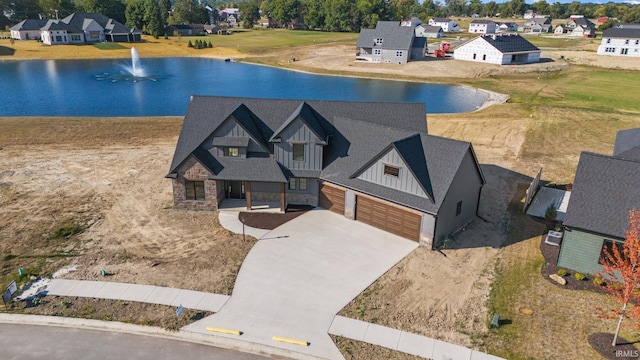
440 20
392 34
431 28
29 24
628 144
481 21
509 43
605 188
234 141
312 119
584 22
357 131
627 33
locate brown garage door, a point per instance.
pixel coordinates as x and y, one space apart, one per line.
331 198
387 217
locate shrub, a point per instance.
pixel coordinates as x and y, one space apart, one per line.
598 281
562 272
579 276
551 213
190 44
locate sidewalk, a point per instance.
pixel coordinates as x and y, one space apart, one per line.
189 299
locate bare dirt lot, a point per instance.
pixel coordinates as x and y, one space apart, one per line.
107 176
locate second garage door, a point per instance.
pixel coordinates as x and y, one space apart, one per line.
331 198
388 217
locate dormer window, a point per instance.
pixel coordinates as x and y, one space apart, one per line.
390 170
231 151
378 41
298 151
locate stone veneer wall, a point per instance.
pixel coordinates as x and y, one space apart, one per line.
265 196
301 199
192 170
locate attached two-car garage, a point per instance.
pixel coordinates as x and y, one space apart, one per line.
377 213
388 217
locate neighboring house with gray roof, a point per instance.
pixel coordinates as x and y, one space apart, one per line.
621 40
501 49
390 42
579 26
604 190
371 162
81 28
27 29
428 31
536 25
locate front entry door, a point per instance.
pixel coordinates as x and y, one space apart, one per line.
235 190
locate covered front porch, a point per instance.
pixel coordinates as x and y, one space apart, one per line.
242 195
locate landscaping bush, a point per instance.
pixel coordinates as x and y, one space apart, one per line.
551 213
190 44
598 281
562 272
579 276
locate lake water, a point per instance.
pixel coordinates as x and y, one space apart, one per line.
104 88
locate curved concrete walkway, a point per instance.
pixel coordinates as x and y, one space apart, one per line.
230 221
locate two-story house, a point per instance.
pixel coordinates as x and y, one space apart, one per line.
577 26
605 189
370 162
621 40
537 25
483 27
390 42
447 25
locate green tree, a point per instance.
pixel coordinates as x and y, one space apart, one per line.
401 9
19 10
114 9
475 7
165 9
153 18
284 11
456 7
370 11
63 7
250 13
512 8
575 8
188 12
339 16
314 14
134 13
490 9
541 7
632 16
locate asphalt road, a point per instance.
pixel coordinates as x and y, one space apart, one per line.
49 342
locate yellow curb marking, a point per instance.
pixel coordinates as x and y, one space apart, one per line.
291 341
224 331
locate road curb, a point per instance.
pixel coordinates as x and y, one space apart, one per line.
182 335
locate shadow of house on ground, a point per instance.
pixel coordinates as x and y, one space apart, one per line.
501 219
6 51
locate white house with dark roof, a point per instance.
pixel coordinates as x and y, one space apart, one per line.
605 189
390 42
28 29
498 49
479 26
447 25
368 161
537 25
621 40
81 28
577 26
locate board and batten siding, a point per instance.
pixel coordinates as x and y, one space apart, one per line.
298 132
465 188
230 127
405 181
580 251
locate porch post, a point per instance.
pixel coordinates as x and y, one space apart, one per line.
247 193
282 201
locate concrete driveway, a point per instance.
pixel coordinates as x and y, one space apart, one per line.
298 276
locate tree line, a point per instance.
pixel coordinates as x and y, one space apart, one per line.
153 16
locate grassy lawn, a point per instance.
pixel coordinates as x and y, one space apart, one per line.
109 46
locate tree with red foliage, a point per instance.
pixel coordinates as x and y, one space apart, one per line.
621 272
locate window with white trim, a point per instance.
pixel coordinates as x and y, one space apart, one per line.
377 51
